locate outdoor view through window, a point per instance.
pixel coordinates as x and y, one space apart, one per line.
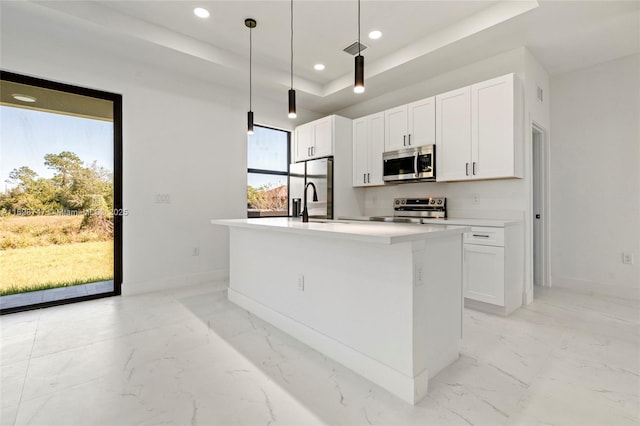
267 174
57 202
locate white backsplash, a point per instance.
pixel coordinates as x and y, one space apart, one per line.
491 199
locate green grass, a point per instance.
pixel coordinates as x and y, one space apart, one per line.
51 266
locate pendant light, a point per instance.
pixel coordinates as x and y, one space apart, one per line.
251 24
358 86
292 93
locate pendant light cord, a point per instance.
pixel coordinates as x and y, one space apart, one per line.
250 72
292 44
358 27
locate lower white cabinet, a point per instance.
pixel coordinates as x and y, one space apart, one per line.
493 268
484 273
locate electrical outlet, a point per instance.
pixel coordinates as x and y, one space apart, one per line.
475 199
301 282
195 251
627 258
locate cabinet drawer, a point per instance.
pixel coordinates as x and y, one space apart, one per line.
485 236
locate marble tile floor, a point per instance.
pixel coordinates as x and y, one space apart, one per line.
190 357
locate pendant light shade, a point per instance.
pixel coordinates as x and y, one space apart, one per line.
250 123
292 92
292 103
251 24
358 85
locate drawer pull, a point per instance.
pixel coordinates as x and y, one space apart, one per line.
481 235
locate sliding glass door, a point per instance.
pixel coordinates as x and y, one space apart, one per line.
61 204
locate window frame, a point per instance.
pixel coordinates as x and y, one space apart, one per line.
273 172
117 180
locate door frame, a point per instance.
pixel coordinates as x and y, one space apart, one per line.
540 198
117 180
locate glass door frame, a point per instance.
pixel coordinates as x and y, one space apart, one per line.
116 99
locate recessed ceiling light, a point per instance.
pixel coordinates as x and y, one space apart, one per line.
201 12
375 34
23 98
318 67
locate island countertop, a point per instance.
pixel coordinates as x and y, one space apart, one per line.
373 232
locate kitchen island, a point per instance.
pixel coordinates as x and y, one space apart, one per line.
385 300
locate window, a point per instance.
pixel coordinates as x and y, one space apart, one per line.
61 207
268 172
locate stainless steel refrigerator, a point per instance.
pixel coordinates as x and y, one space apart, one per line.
320 172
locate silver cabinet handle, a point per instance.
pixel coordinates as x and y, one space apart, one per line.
466 169
368 178
409 139
308 151
364 178
404 140
474 168
313 150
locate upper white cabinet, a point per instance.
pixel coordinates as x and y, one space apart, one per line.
479 131
368 146
453 134
410 125
314 139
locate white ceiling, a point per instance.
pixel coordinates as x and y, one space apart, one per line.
563 35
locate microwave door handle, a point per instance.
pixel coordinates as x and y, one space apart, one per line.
415 164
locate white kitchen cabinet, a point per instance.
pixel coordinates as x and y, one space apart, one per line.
453 135
368 146
411 125
314 139
479 131
484 273
493 268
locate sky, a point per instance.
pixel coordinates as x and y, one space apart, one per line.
267 149
27 135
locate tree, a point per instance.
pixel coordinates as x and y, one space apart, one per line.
22 177
66 163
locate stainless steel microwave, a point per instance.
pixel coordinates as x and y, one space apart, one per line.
410 164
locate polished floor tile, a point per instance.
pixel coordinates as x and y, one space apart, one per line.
191 357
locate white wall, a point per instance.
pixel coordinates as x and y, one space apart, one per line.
595 177
182 137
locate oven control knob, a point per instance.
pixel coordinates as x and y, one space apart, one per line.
397 202
404 202
433 201
439 202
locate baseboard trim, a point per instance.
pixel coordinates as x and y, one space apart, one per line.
218 277
595 288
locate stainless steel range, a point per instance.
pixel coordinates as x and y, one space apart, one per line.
413 210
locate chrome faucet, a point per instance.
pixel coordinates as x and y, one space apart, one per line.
305 213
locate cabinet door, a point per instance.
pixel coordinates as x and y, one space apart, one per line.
492 138
323 138
360 151
453 135
421 124
483 275
303 142
376 148
395 125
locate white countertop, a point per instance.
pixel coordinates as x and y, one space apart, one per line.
496 223
373 232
